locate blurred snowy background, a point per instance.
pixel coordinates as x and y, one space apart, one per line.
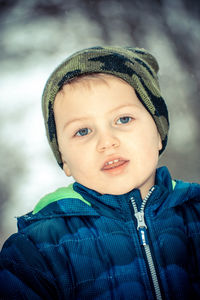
36 35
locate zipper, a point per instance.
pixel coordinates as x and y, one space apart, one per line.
142 230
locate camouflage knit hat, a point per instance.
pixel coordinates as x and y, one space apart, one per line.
136 66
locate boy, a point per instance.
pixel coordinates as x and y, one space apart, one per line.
124 229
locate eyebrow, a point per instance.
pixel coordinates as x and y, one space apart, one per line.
86 118
122 106
74 120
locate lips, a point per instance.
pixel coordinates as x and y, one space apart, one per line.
114 163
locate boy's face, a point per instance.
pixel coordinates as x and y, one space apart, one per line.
107 139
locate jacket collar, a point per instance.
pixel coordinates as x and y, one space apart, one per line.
77 200
176 192
163 186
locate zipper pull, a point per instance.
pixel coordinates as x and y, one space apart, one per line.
142 228
143 236
140 219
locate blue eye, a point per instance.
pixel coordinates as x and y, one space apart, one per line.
124 120
83 131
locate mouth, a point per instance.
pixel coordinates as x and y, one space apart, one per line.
115 165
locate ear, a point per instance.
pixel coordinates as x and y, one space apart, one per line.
66 169
159 142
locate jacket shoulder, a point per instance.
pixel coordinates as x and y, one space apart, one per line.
187 198
61 193
185 192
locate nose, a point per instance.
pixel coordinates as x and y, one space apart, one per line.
107 141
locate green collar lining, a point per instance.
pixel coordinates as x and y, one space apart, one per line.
173 184
61 193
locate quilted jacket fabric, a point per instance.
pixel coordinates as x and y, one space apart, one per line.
84 245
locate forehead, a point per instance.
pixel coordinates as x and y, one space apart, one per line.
94 95
89 82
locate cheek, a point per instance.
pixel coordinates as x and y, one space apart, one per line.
145 147
144 140
78 163
151 138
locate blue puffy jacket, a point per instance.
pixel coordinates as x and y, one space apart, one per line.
79 244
